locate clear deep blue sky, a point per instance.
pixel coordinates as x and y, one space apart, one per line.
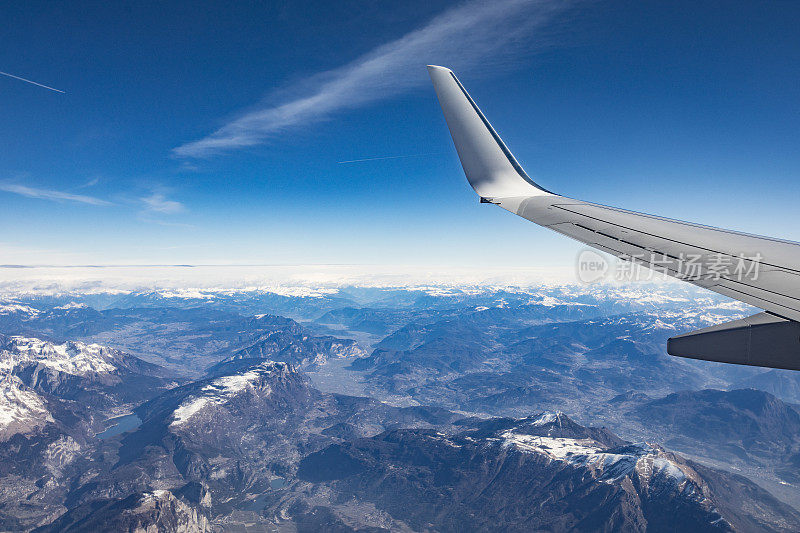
686 109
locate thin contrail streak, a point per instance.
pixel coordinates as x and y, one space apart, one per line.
386 157
30 81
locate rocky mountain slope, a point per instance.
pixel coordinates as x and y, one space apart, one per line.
546 473
496 362
95 376
185 340
294 344
158 510
743 427
235 434
54 398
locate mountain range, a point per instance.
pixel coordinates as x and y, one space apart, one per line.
549 409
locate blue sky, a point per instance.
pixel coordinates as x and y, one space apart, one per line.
211 133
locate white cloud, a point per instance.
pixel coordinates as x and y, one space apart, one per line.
47 194
159 203
90 183
476 33
273 278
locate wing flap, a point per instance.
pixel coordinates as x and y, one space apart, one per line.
759 340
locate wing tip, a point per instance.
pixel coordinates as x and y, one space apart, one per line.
440 73
489 166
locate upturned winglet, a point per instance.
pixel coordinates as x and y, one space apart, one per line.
488 164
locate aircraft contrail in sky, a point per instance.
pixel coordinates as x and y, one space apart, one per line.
387 157
30 81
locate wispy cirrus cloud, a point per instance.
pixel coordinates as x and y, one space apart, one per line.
49 194
90 183
158 203
463 37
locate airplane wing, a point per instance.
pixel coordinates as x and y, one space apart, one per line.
759 271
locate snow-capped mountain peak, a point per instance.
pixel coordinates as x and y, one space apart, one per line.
74 358
222 389
650 463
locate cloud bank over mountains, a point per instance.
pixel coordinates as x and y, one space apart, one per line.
271 278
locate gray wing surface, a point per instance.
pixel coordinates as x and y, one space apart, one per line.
759 271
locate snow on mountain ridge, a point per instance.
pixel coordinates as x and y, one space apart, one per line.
11 308
72 305
649 462
196 293
21 409
221 389
71 357
548 418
